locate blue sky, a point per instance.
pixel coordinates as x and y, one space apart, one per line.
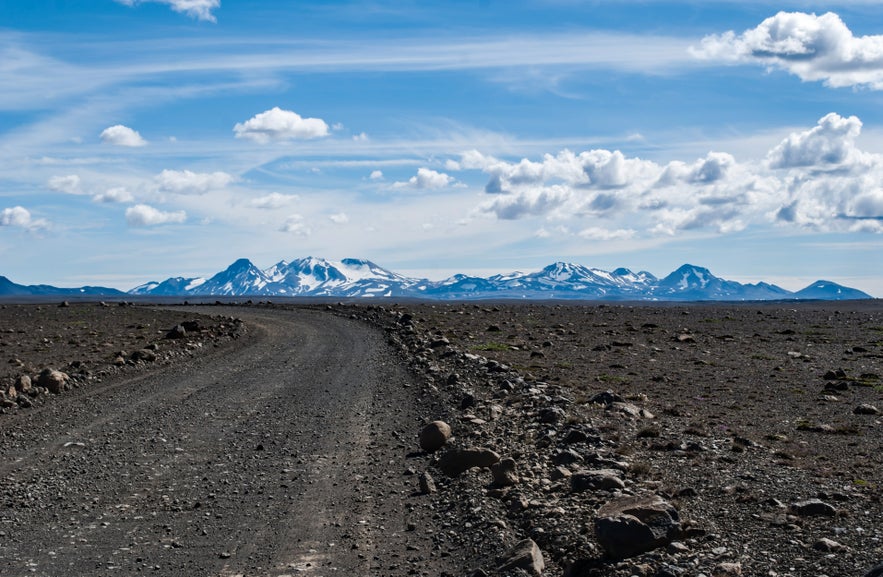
142 139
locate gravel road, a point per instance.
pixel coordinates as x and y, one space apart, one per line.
282 453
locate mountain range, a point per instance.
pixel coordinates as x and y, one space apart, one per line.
356 278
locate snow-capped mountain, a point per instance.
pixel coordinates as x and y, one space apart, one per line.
362 278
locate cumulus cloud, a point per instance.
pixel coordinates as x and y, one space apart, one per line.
426 179
114 195
20 217
142 215
295 224
187 182
274 200
816 178
811 47
199 9
276 125
376 175
339 218
69 184
120 135
831 142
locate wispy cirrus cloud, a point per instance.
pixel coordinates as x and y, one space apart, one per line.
812 47
189 182
199 9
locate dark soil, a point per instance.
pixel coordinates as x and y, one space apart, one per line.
748 409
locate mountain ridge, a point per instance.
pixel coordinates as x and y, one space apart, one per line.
355 278
362 278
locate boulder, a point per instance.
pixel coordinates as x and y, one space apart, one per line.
23 383
876 571
525 555
596 480
145 355
505 473
54 381
456 461
632 525
434 436
866 409
813 508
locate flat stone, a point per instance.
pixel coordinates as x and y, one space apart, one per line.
525 555
456 461
813 508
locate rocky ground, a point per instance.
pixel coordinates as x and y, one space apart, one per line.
751 432
591 439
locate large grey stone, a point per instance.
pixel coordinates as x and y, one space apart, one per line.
596 480
632 525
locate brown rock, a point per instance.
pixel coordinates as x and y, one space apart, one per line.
727 570
505 473
524 555
456 461
828 546
434 436
427 484
23 383
54 381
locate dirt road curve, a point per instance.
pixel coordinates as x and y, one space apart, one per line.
281 455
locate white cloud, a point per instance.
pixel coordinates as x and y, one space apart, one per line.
199 9
112 195
426 179
187 182
278 125
339 218
817 178
69 184
20 217
376 175
712 168
294 224
274 200
120 135
811 47
596 233
143 215
360 137
831 142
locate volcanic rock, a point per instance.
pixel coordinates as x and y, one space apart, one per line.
632 525
434 436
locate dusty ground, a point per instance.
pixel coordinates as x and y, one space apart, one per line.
753 409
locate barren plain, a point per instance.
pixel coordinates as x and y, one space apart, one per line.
276 439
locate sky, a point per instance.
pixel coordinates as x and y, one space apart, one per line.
144 139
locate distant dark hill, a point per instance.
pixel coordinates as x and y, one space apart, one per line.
829 291
9 288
